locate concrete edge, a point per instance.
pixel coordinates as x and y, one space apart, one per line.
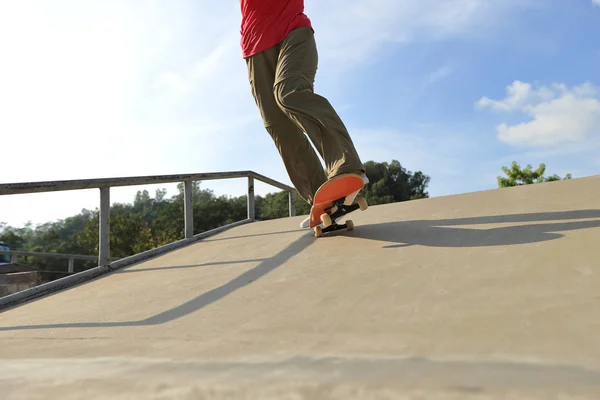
90 274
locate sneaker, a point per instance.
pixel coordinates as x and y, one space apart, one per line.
306 223
365 179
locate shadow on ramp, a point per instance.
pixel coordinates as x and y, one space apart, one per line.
447 233
265 267
132 269
218 239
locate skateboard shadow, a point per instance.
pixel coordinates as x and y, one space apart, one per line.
526 228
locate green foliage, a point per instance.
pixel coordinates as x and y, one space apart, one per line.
277 205
516 176
150 222
390 183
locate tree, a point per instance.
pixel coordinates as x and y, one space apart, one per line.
277 205
515 176
391 183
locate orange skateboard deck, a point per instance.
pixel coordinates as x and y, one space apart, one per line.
333 200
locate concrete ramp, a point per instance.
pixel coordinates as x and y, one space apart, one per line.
488 295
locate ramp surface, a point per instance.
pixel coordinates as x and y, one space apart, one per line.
478 296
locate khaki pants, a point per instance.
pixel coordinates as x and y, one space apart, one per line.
282 79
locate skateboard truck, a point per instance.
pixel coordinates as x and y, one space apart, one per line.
337 210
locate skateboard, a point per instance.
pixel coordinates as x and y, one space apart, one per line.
333 200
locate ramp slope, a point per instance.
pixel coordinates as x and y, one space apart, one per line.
482 295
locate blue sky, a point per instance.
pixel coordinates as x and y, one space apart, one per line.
454 88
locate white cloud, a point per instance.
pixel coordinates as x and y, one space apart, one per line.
353 30
558 115
596 2
438 74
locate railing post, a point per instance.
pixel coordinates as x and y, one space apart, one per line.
251 206
188 209
71 265
104 242
292 204
13 258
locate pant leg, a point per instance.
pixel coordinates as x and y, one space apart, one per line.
301 162
294 92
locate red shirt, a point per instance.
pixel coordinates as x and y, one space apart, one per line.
266 23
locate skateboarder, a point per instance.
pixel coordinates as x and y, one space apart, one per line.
278 44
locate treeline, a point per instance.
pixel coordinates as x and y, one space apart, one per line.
517 176
153 221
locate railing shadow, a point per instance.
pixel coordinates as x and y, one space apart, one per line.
264 267
133 269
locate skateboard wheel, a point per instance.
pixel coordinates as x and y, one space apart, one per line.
362 203
349 225
326 220
318 231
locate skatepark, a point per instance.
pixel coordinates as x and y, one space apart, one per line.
486 295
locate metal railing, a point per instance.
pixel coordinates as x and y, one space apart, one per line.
15 254
105 184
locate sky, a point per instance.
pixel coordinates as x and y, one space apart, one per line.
453 88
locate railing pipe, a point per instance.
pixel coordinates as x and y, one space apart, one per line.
188 209
14 254
251 205
104 242
58 186
292 199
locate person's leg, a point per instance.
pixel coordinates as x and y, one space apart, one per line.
301 162
294 93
